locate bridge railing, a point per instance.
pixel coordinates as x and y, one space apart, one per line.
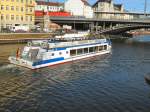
121 27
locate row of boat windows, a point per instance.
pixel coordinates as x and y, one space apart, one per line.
60 53
84 50
87 50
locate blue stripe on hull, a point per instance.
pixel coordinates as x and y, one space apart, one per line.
48 61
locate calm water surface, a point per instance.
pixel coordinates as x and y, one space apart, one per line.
108 83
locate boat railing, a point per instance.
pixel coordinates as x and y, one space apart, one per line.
74 43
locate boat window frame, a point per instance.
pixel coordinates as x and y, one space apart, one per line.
81 51
100 48
105 47
91 48
86 50
74 54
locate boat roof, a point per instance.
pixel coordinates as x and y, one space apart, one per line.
76 43
68 44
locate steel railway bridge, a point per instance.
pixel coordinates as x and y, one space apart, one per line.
103 26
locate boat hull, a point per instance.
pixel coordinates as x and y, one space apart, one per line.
28 64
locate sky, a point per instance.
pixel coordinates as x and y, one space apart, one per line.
130 5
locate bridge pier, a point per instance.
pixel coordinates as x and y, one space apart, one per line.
96 27
104 25
111 25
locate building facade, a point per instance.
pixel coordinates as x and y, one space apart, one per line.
16 13
79 8
106 9
49 6
103 6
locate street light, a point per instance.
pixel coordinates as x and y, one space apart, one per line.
145 7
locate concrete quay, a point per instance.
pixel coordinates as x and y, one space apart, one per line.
6 38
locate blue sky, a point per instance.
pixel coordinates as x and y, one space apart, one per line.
131 5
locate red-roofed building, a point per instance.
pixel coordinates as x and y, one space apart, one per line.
50 8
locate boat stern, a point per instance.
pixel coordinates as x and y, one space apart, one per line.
21 62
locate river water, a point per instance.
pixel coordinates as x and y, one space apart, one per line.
109 83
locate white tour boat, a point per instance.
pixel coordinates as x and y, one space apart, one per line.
38 54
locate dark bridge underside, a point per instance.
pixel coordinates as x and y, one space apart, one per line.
121 30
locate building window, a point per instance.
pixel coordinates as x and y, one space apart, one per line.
7 7
7 17
12 8
26 9
17 17
2 16
26 18
30 9
12 17
17 8
2 7
30 18
21 9
30 1
21 18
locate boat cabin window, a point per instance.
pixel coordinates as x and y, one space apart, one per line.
32 54
86 50
73 52
100 48
105 47
53 54
66 52
79 51
91 49
96 48
60 53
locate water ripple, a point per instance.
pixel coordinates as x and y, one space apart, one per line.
108 83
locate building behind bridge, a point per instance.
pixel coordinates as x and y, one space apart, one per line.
79 8
106 9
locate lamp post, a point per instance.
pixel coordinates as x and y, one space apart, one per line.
145 7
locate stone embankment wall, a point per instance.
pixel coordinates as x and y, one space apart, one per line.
22 37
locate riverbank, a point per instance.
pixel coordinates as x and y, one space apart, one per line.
6 38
